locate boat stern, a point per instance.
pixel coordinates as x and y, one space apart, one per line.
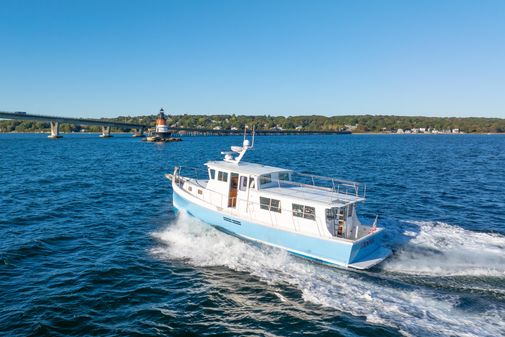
369 251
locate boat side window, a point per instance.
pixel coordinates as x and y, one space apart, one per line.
265 179
243 183
331 214
297 210
212 174
309 213
284 176
275 205
222 176
252 183
270 204
264 203
349 211
302 211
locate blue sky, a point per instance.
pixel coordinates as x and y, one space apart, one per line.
109 58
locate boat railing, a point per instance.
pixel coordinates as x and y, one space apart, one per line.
191 172
311 181
336 187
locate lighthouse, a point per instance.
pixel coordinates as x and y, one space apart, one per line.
161 132
161 123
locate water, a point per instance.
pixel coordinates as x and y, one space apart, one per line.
90 245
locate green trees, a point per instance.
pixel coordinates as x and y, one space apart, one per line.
357 123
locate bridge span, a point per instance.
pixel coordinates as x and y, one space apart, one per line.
55 123
140 128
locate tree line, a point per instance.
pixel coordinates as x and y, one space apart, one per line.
358 123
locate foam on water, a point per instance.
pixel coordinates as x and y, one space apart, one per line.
440 249
412 310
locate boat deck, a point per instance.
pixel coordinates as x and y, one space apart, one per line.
313 194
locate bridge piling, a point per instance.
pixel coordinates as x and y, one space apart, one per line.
139 132
55 130
105 132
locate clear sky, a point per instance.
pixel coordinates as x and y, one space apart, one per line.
108 58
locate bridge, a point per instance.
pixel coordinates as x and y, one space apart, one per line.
140 128
55 123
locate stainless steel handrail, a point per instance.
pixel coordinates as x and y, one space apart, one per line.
327 178
338 186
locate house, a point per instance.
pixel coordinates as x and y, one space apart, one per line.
350 127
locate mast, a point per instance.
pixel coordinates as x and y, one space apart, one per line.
240 150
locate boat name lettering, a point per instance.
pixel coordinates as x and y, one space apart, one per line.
366 243
236 222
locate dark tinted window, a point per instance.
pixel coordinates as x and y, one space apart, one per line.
270 204
222 176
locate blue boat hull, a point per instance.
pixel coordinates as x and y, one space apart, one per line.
335 252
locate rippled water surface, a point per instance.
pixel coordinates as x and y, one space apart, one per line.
89 244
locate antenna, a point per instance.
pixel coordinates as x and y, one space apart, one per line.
252 145
239 150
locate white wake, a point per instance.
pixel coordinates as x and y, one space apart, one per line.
439 249
412 310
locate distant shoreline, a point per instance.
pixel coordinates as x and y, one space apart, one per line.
306 134
362 124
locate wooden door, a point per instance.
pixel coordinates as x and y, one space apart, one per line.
232 196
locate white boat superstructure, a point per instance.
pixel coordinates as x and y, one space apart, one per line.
308 215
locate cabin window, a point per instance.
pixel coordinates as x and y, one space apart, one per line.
270 204
212 174
302 211
252 183
200 192
190 189
298 210
265 179
265 203
243 183
331 214
309 213
349 211
275 205
222 176
284 176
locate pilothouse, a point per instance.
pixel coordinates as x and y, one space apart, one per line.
308 215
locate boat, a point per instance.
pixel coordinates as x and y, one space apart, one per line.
308 215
